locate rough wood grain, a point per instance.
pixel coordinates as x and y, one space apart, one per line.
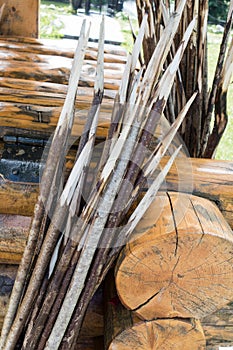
123 330
207 178
18 198
218 327
64 48
55 72
20 18
179 263
13 234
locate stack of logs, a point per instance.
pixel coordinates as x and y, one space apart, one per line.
173 282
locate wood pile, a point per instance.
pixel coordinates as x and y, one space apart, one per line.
174 274
33 84
217 327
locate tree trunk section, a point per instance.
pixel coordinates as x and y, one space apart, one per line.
179 261
123 330
218 327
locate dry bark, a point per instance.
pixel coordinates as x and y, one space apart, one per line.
196 129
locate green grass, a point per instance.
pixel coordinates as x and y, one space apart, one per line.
50 24
225 148
126 30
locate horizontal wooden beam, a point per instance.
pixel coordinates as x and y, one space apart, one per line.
61 48
212 179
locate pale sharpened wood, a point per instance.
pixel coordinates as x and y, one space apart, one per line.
13 322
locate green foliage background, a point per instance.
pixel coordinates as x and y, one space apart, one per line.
218 11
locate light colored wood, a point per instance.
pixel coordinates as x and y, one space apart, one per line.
218 328
17 198
64 48
55 72
161 334
179 262
20 18
13 234
206 178
124 331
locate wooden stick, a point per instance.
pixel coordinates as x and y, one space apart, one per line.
63 129
70 336
77 176
221 117
217 78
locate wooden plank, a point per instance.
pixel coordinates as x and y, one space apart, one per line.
20 18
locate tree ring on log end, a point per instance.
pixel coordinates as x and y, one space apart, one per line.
161 335
186 271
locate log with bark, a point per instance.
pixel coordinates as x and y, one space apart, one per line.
179 261
13 236
207 179
61 48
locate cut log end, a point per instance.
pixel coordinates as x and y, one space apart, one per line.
180 265
161 335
